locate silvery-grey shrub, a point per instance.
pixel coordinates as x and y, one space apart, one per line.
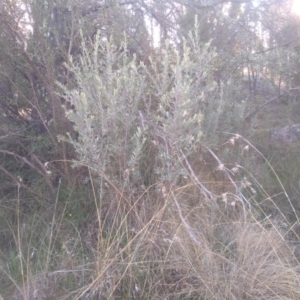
131 113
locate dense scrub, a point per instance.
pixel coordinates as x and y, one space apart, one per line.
130 171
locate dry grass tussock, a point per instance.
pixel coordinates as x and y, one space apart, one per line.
163 243
208 251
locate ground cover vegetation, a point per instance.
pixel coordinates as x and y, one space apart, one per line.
149 149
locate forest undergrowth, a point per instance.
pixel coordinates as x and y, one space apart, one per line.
167 204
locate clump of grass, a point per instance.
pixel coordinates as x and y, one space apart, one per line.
184 246
238 261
